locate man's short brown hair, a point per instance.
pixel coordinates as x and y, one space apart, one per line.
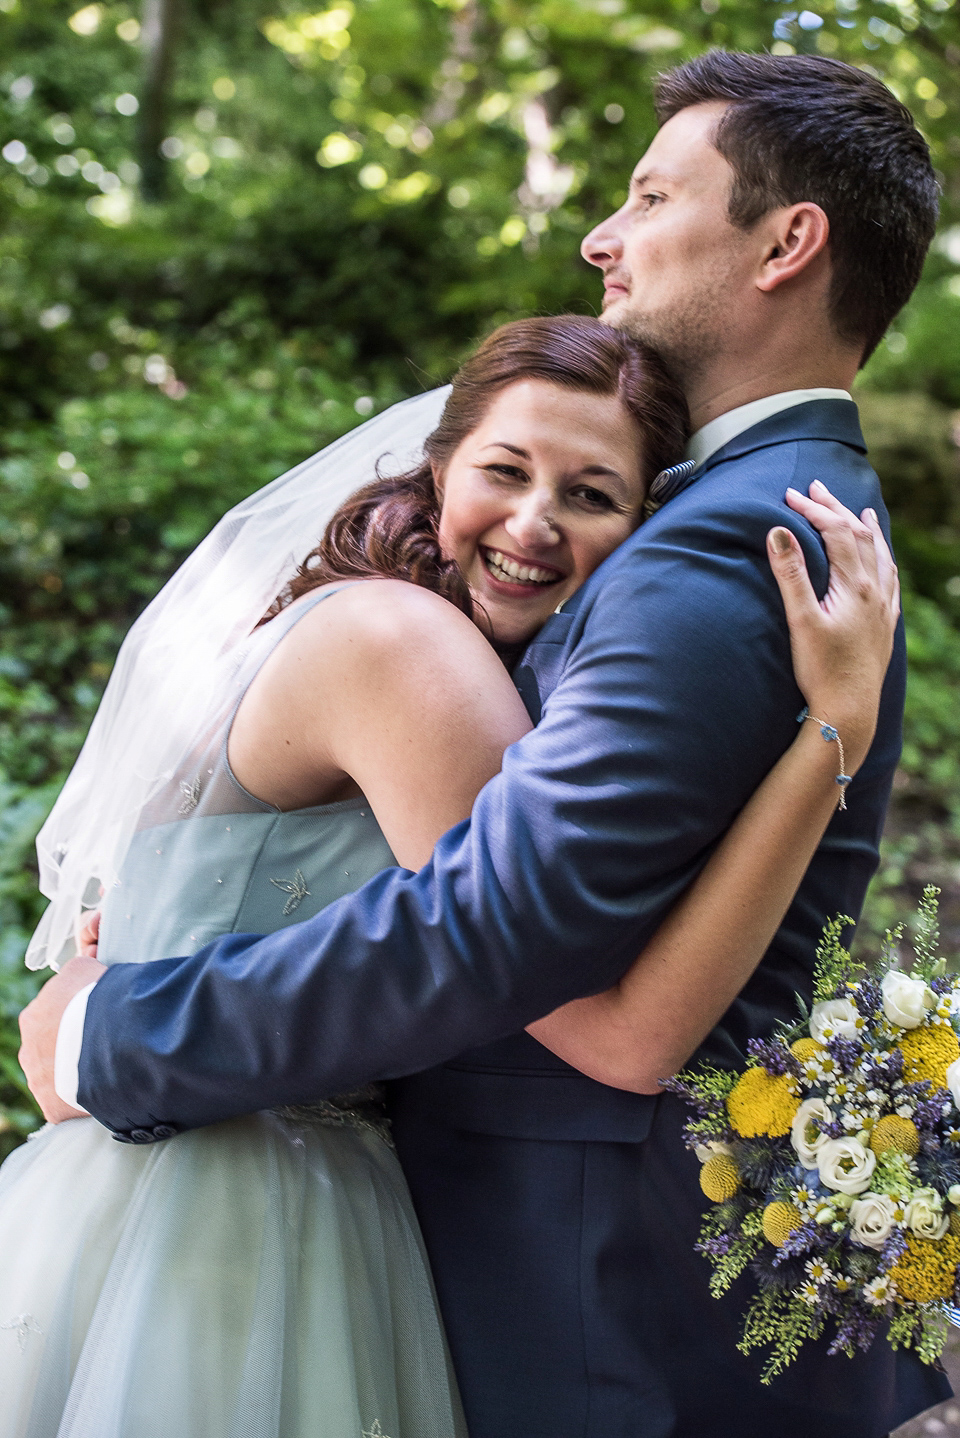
802 127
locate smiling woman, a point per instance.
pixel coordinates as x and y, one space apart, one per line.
548 485
538 469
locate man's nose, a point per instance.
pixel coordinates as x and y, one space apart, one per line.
603 245
532 524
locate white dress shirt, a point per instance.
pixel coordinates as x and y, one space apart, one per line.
701 446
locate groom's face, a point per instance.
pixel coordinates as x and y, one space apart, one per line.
675 269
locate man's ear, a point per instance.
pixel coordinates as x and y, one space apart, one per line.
796 235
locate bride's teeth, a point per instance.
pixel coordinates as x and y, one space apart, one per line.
507 569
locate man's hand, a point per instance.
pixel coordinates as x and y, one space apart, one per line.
39 1026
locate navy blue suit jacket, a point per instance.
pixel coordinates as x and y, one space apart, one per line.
664 693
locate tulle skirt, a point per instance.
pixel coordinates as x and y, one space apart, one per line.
262 1278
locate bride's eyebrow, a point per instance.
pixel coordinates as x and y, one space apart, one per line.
588 469
513 448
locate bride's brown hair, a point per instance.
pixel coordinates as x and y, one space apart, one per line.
389 529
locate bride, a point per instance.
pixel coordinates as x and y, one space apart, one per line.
265 1277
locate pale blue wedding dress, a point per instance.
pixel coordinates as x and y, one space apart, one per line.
262 1278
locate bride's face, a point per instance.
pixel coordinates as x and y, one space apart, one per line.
537 496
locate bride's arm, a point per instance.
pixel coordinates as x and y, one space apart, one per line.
647 1027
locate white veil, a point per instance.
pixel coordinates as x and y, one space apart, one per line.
173 681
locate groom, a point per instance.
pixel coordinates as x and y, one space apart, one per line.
775 226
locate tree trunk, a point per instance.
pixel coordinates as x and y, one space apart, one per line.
158 37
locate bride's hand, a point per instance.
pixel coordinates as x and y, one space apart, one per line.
841 645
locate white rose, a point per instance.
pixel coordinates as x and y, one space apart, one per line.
925 1214
953 1081
845 1165
871 1219
905 1000
807 1140
835 1019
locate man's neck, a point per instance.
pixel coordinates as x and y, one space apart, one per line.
726 385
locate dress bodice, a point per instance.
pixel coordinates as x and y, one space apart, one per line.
213 859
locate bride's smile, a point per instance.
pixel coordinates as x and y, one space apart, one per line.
547 485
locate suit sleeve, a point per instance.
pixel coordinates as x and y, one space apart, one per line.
675 699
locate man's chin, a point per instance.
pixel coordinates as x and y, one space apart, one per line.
612 313
619 315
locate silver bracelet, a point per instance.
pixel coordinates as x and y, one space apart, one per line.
830 735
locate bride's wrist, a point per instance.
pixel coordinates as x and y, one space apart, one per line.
855 727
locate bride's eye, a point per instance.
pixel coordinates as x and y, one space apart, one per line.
506 471
593 498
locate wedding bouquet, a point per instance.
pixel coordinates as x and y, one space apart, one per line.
833 1158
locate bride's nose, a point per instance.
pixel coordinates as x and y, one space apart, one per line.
532 523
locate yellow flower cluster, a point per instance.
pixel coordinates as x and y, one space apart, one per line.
893 1134
928 1052
806 1049
719 1178
928 1269
779 1221
761 1103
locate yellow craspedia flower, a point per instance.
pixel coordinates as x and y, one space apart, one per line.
928 1052
893 1134
928 1269
955 1222
805 1049
719 1178
779 1221
761 1103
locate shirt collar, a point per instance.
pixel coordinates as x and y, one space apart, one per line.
725 427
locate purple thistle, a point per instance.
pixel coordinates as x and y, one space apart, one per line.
857 1329
717 1247
893 1065
775 1057
895 1245
881 1073
929 1109
868 997
810 1237
846 1053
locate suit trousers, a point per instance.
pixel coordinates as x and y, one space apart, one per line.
577 1307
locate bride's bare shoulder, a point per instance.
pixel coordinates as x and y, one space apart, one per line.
377 620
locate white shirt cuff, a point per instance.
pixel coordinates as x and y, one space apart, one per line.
66 1063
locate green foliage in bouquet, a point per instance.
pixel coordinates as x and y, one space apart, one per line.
833 1158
